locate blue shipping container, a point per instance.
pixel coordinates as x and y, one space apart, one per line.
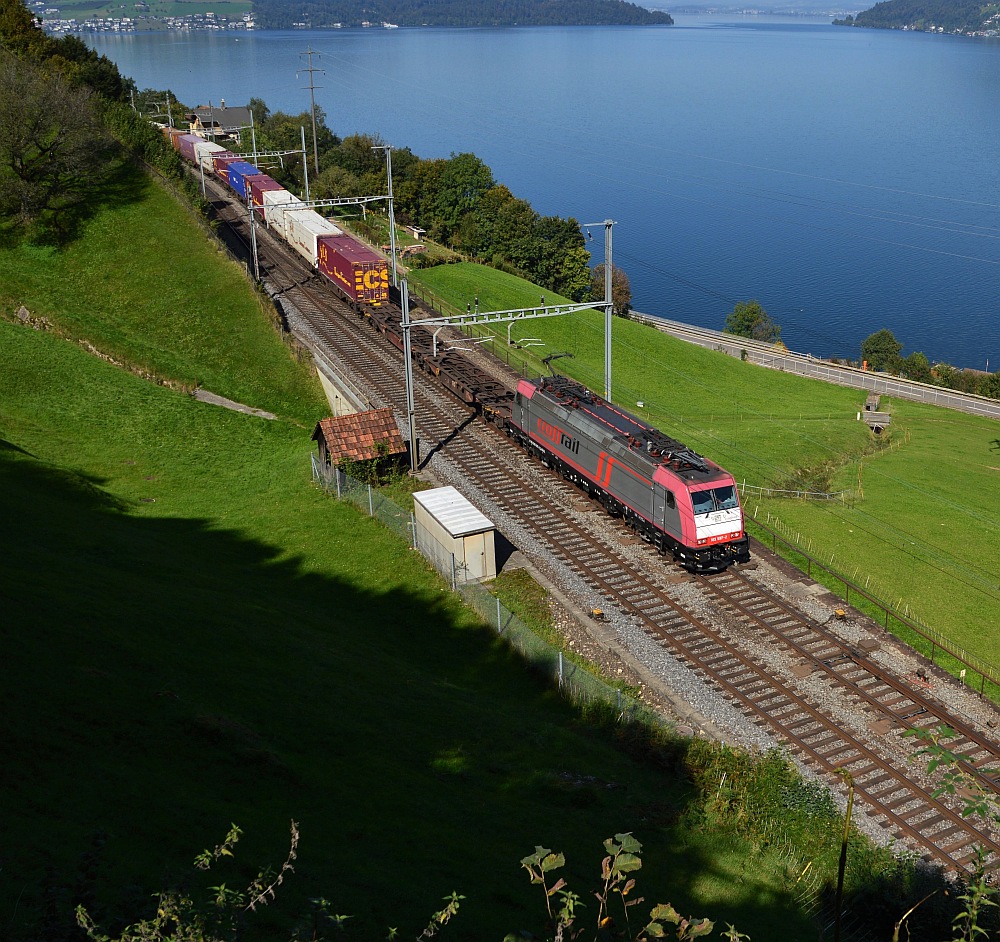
239 170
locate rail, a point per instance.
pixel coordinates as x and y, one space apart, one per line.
928 641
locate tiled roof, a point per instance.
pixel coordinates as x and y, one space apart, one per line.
359 436
220 117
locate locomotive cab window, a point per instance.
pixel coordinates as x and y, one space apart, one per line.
671 503
719 498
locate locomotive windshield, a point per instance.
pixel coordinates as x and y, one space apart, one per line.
717 498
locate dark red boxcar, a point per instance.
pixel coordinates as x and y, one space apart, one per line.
359 271
259 185
221 162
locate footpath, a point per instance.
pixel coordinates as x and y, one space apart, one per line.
766 354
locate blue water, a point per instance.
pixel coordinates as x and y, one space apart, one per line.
844 178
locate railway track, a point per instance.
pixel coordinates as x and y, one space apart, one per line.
828 699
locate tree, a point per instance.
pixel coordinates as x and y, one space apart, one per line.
335 183
916 366
53 149
261 113
881 351
464 180
749 319
621 290
989 385
355 154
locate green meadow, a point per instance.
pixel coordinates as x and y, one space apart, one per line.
923 531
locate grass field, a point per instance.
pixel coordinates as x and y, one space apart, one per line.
926 531
163 299
193 635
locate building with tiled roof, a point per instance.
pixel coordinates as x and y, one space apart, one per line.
360 436
214 120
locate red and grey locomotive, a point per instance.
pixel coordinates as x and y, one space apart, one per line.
674 498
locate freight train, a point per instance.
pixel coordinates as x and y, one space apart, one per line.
357 271
678 501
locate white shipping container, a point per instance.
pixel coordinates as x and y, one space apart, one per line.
274 217
204 151
303 228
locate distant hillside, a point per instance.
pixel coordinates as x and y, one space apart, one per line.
939 16
318 14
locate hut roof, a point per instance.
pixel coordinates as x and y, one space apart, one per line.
360 436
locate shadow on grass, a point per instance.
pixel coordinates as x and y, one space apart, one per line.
164 677
120 181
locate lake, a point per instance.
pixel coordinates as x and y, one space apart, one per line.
844 178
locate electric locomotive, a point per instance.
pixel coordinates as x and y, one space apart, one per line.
674 498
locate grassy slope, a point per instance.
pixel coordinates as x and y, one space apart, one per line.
160 295
927 528
244 649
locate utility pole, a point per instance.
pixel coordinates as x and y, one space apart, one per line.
608 302
408 373
392 218
253 236
305 163
312 98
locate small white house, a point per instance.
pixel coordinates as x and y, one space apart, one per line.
449 525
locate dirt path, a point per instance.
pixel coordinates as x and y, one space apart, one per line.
203 395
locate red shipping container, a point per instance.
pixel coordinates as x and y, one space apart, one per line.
174 135
359 271
221 162
258 186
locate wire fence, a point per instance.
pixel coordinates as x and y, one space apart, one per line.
754 490
974 671
573 679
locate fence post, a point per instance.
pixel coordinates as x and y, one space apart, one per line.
413 529
454 574
336 475
499 623
560 669
371 508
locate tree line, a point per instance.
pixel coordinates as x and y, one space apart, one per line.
54 147
880 351
951 15
281 14
456 200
